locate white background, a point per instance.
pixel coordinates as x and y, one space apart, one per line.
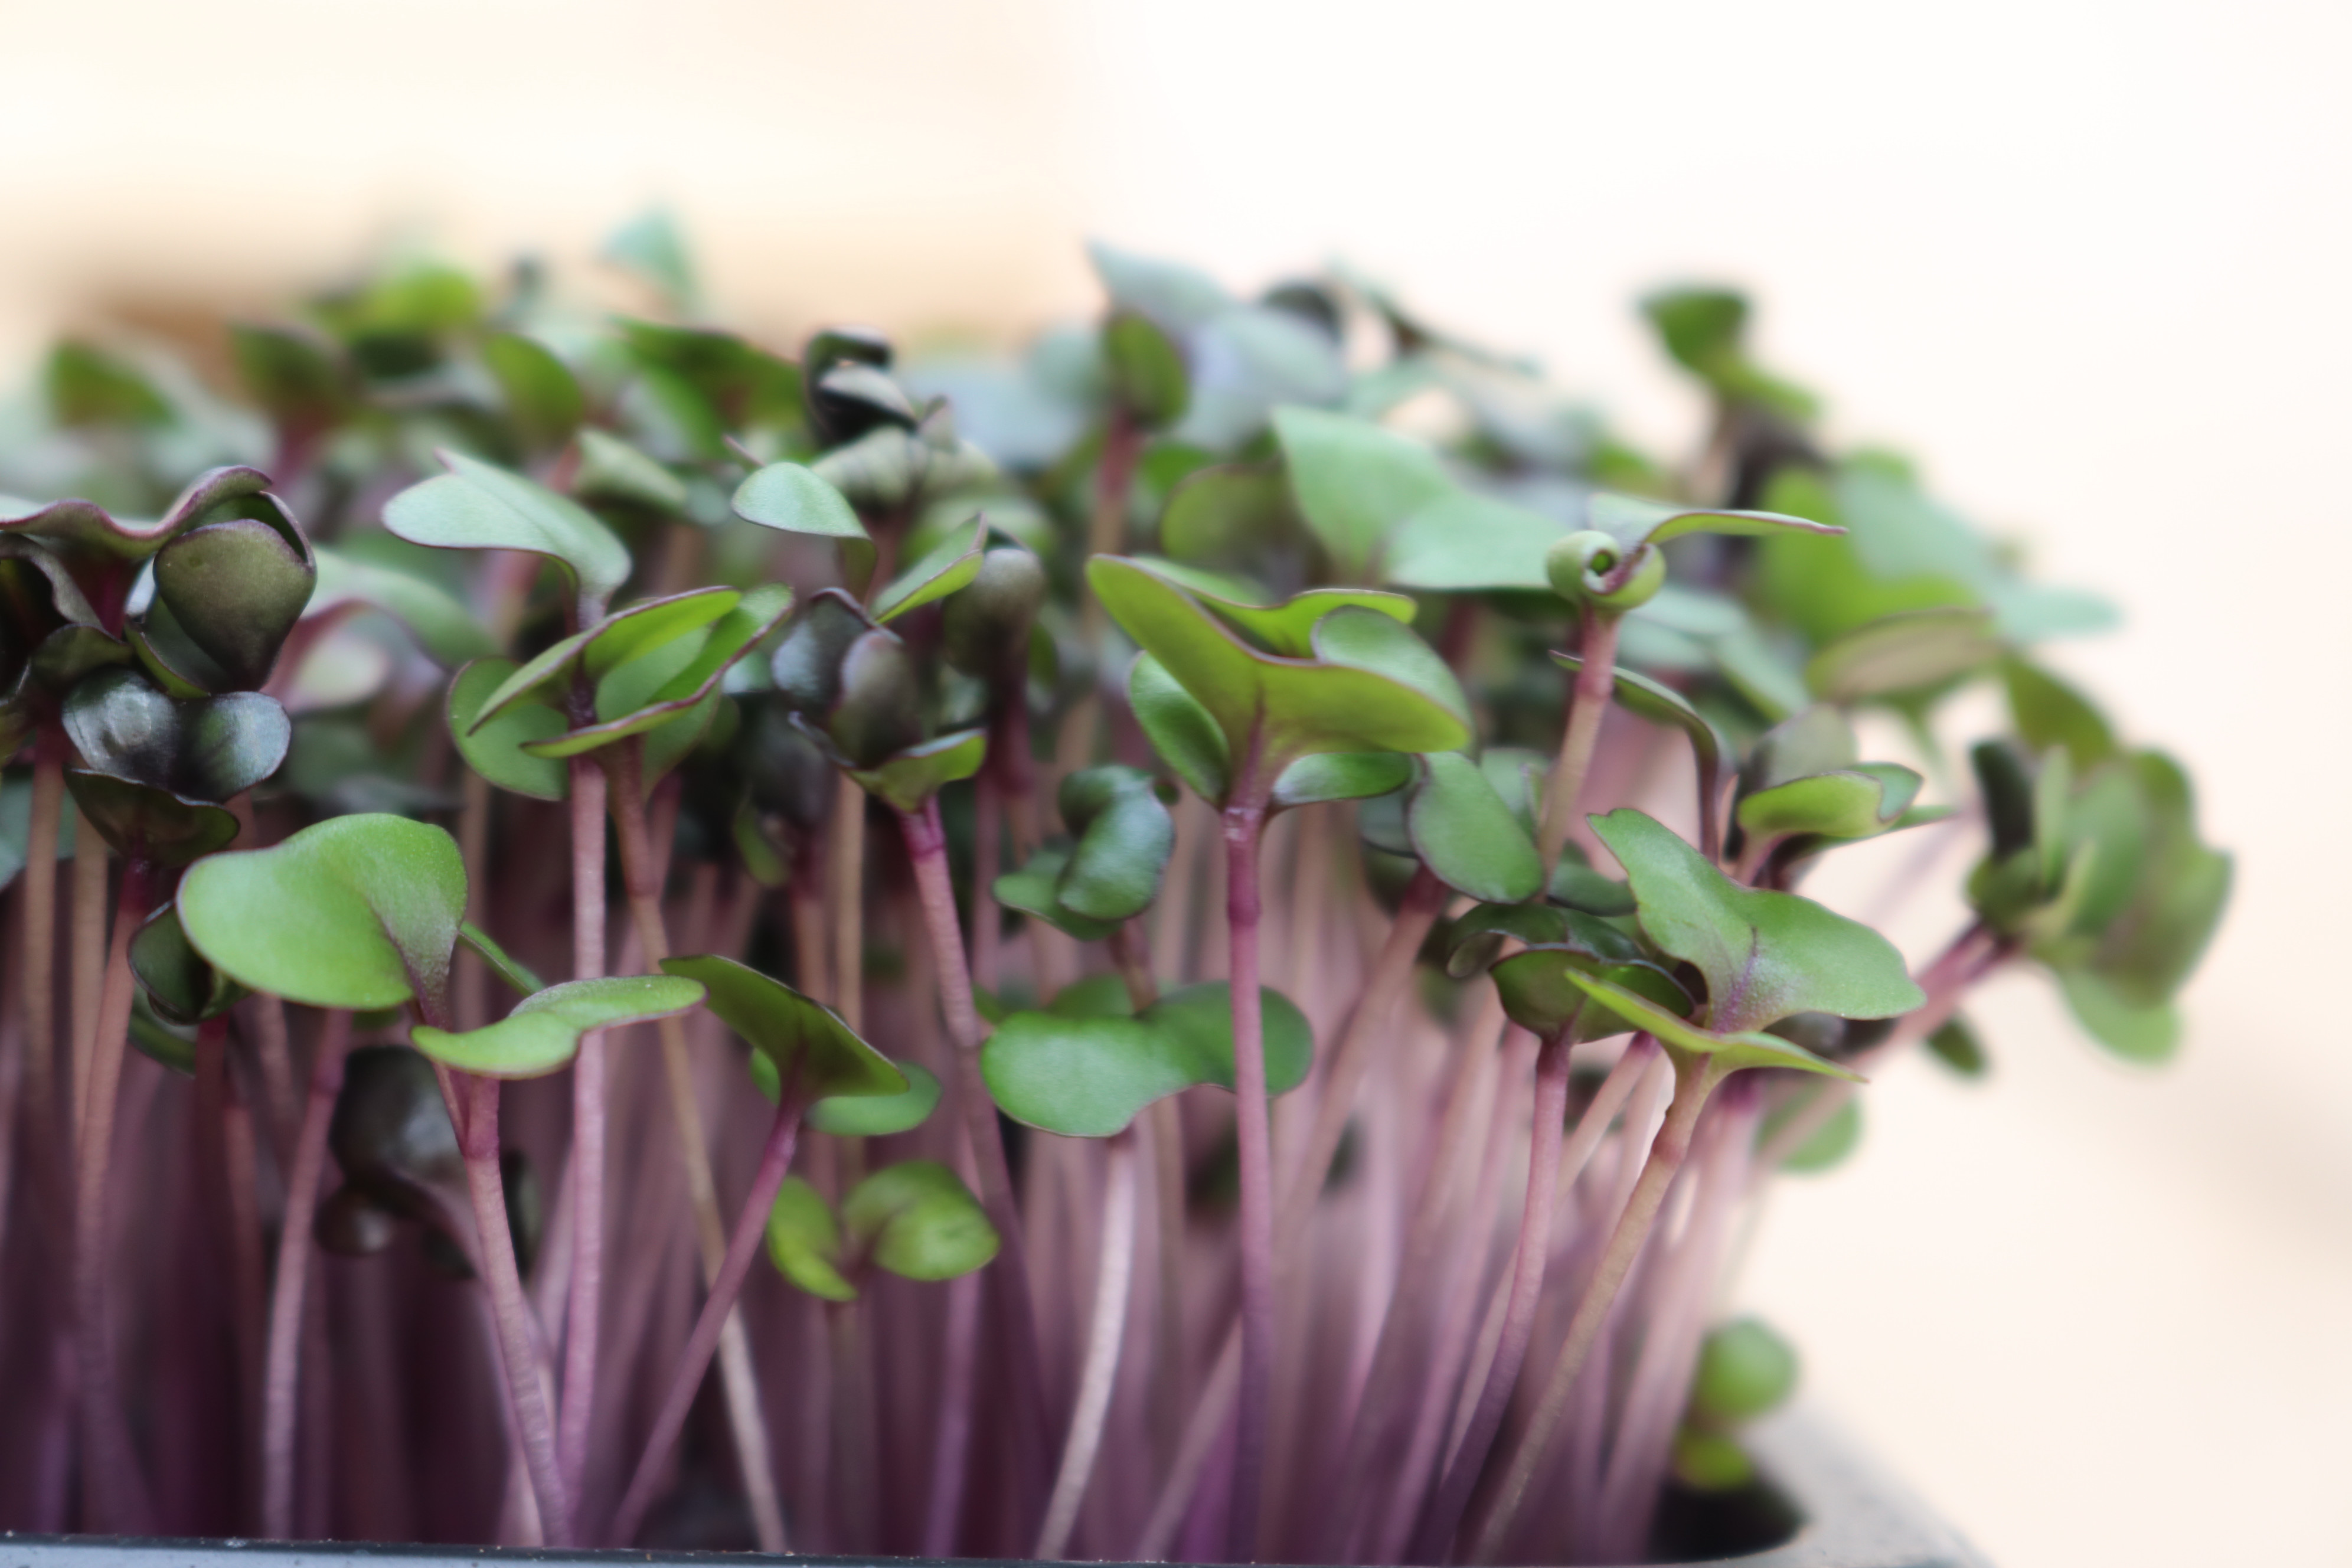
2089 262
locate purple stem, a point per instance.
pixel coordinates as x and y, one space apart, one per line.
510 1307
589 1103
1243 824
1008 1275
1694 1079
281 1374
115 1488
775 1159
1519 1314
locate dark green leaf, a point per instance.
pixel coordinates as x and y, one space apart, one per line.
2138 1034
795 500
480 506
542 1034
543 397
1183 732
1145 371
616 474
1340 775
236 588
154 824
356 911
180 986
1467 837
951 567
810 1046
1375 685
1090 1077
873 1116
2048 712
392 1139
1033 890
1125 836
917 1219
501 962
206 750
1726 1051
1744 1370
1956 1045
804 1242
1764 954
906 779
492 747
1914 651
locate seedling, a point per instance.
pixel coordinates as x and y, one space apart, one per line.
1303 832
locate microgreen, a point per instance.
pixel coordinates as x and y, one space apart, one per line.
1304 828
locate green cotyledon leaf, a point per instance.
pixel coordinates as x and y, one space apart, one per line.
1125 836
1467 837
1374 685
640 629
357 911
665 683
542 1034
1764 954
493 747
1089 1077
793 498
917 1220
809 1043
1287 628
480 506
1725 1050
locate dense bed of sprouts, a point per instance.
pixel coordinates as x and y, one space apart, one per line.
1146 964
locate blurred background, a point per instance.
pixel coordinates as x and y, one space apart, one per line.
2088 262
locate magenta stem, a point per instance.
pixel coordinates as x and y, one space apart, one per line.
590 1097
1243 824
1519 1313
1008 1274
1596 683
281 1374
510 1308
775 1159
114 1487
1694 1079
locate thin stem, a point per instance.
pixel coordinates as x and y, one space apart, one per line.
1126 956
746 1420
951 1441
1660 1387
90 957
1243 825
115 1489
1368 1021
1103 1335
1519 1315
1008 1275
248 1269
1596 681
775 1159
472 977
517 1349
589 1095
40 976
1210 1420
844 869
282 1362
1694 1080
